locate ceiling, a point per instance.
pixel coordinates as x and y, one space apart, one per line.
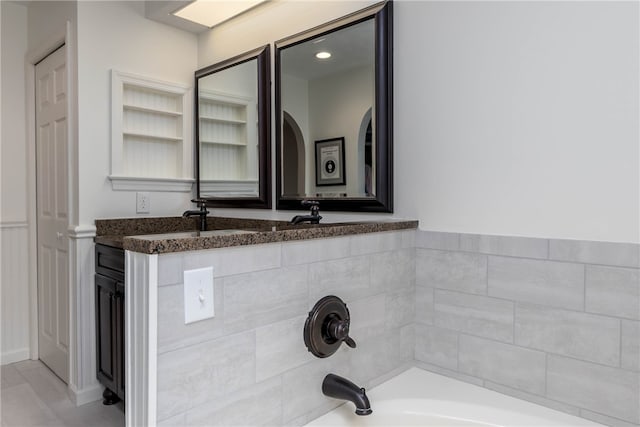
350 47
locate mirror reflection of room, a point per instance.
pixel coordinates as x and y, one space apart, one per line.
228 133
328 92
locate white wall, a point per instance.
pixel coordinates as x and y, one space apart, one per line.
14 275
512 118
115 34
518 118
14 155
340 102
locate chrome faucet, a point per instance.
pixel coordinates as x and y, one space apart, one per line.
341 388
314 218
202 213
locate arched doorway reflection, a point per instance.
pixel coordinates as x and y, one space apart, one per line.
366 171
293 157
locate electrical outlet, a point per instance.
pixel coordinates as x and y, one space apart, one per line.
198 294
142 202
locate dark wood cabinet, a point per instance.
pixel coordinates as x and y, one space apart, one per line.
109 280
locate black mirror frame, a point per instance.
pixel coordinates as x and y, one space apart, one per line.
263 200
382 13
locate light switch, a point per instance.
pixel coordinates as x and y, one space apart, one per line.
198 294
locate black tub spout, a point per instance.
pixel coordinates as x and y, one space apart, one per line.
341 388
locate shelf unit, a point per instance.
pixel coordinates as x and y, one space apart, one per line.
226 124
151 134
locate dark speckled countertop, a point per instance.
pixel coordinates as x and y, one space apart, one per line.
177 234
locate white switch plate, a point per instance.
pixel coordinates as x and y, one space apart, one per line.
142 202
198 294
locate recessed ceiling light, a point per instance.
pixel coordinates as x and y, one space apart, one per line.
323 55
213 12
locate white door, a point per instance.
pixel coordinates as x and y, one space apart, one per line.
52 212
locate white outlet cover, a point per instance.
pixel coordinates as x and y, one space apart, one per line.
198 294
142 202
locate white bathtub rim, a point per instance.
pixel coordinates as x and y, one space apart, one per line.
432 395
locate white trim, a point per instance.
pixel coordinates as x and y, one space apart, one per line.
86 395
82 232
231 188
14 356
129 183
14 224
141 338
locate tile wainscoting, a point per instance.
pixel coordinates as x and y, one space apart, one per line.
248 365
555 322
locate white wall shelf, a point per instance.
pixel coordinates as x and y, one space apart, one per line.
225 126
151 136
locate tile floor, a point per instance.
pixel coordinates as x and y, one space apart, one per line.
31 395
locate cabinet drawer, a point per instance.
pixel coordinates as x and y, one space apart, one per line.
110 262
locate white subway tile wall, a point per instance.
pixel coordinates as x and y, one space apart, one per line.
555 322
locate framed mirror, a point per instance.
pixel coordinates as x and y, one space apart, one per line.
334 114
233 131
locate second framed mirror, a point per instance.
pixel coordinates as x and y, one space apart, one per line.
334 114
233 131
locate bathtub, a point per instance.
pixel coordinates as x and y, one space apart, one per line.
420 398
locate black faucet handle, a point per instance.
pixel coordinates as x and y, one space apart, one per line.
314 205
338 329
201 203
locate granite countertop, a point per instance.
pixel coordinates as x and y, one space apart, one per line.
177 234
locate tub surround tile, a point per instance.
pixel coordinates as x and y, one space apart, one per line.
399 309
613 291
436 346
605 420
583 336
363 244
603 253
515 367
204 372
393 269
450 373
557 284
305 252
438 240
474 314
301 386
523 247
488 310
279 348
255 299
348 278
239 408
534 398
170 269
233 261
424 305
600 388
454 271
374 357
173 333
367 316
630 345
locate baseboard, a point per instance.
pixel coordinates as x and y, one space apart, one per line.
14 356
86 395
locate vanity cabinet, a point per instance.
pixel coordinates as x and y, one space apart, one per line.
109 282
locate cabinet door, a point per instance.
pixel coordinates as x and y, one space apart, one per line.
119 329
106 345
